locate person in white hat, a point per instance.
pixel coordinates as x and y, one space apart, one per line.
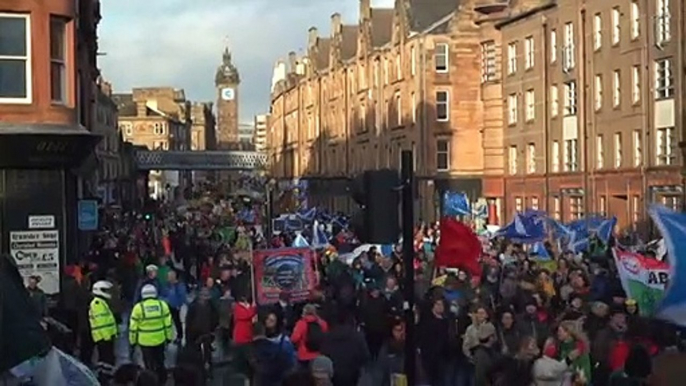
104 329
150 327
151 278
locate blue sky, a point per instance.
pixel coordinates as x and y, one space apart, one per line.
179 43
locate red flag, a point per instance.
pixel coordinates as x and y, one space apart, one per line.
459 247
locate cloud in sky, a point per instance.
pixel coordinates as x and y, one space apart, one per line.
179 43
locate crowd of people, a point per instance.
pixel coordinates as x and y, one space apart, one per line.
169 280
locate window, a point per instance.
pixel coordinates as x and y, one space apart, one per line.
568 49
618 150
598 95
58 84
602 205
638 148
663 20
664 79
398 67
414 107
512 58
15 58
519 205
512 109
664 146
158 128
512 160
442 106
530 105
529 52
570 98
398 110
671 201
534 203
616 88
556 157
531 158
635 14
386 70
636 209
127 128
599 152
442 155
554 101
557 208
636 84
441 57
597 31
553 46
571 155
576 208
488 53
413 60
616 29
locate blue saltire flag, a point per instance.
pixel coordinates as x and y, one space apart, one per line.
340 222
578 242
307 215
456 204
528 227
300 241
539 249
559 230
672 225
605 229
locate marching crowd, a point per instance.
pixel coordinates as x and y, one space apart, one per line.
518 323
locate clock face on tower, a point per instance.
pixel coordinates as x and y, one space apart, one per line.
228 94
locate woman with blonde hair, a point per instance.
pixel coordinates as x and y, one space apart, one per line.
572 343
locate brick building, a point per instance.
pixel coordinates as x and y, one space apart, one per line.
48 70
593 107
227 80
404 78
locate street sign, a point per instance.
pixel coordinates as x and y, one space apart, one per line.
88 215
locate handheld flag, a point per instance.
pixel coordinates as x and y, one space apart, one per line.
456 204
459 247
672 225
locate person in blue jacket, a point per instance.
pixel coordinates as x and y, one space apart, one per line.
176 296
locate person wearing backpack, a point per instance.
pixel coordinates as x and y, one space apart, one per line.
272 356
308 335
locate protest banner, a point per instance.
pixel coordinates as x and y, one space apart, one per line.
643 279
287 269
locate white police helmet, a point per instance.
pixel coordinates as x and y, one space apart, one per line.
102 288
148 291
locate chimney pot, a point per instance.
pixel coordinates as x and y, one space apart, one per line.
335 23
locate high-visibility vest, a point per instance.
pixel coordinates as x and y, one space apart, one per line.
150 324
101 319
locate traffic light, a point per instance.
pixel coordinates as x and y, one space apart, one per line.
378 195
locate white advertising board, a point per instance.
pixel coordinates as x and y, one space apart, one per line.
38 253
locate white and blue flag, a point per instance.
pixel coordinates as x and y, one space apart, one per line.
672 225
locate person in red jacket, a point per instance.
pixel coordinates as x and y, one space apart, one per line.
244 314
300 337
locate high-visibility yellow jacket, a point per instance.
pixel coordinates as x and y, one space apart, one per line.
150 324
101 320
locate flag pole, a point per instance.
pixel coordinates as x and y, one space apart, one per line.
407 175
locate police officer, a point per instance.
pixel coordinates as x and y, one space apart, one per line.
150 328
104 329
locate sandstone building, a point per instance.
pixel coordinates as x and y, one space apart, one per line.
261 127
403 78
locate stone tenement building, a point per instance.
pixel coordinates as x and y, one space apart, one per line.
404 78
202 127
594 107
504 100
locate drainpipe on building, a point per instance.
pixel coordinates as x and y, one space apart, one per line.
681 82
546 136
581 91
423 153
645 110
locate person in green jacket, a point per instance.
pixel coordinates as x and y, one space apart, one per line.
570 338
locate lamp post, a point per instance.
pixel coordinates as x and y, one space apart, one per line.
271 185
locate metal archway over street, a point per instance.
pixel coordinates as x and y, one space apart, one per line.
200 160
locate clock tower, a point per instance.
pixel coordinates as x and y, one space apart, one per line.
226 81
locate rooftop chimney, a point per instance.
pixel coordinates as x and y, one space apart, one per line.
365 10
292 62
335 24
313 34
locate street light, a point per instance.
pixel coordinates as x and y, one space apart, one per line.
270 186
